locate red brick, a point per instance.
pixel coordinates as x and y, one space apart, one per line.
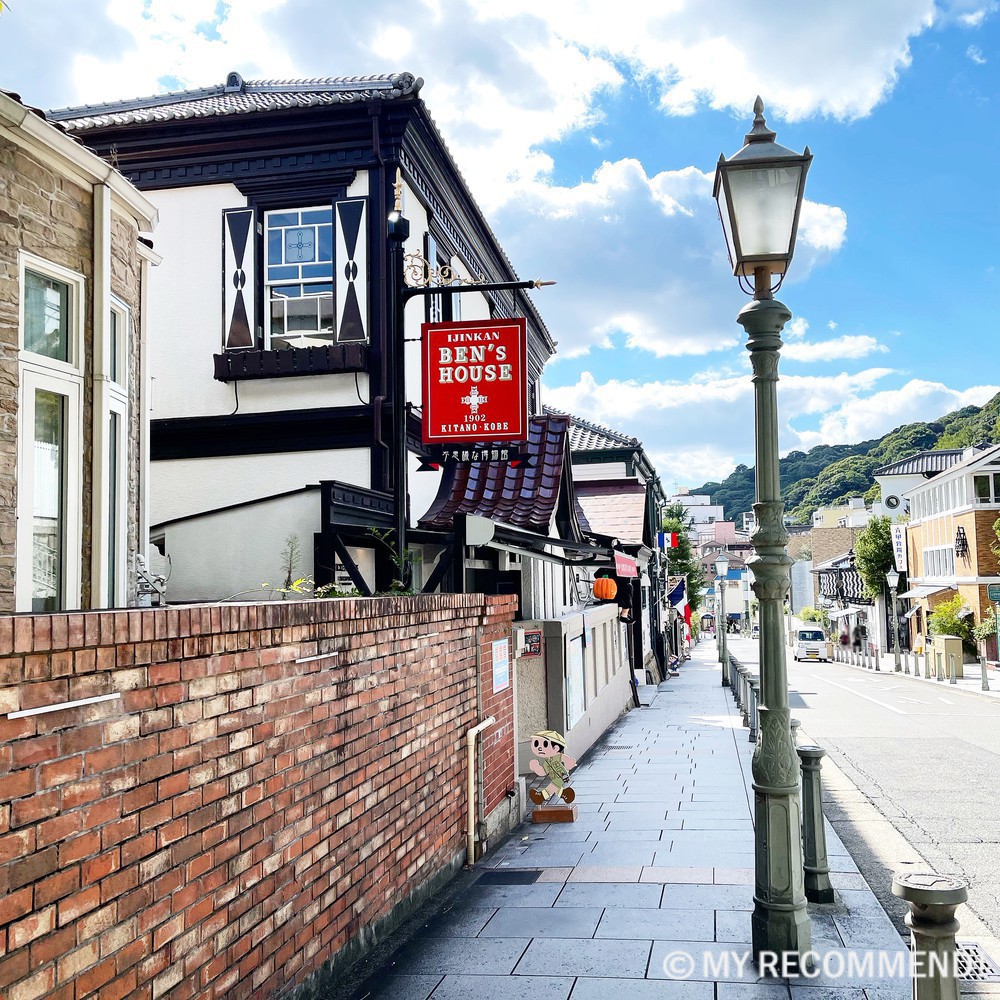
84 846
31 927
52 947
75 906
71 965
13 968
64 825
28 753
39 985
14 905
57 886
93 979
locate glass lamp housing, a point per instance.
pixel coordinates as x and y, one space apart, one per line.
759 191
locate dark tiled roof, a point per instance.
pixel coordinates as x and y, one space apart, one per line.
617 509
524 497
585 436
922 463
238 97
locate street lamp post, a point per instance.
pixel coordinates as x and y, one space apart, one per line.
759 191
721 569
892 578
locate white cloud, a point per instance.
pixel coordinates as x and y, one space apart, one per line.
975 54
870 416
838 349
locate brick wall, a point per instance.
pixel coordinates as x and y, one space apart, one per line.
268 789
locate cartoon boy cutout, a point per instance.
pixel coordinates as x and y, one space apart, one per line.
552 763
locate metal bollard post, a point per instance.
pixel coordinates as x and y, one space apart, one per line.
927 665
816 865
745 705
982 667
754 683
939 665
952 674
933 900
737 673
906 663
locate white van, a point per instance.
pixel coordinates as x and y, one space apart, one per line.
811 644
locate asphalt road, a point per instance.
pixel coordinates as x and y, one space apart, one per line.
925 756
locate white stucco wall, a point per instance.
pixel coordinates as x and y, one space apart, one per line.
217 556
182 487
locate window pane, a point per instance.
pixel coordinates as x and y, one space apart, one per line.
113 432
48 528
113 347
326 243
282 273
282 219
996 487
318 215
982 484
302 314
46 316
300 244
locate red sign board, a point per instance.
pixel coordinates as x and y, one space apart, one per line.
625 566
475 378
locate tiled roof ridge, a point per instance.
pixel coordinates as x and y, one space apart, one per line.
592 427
385 85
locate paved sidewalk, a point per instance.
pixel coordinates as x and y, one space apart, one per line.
658 865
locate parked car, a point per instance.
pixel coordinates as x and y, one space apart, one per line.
811 644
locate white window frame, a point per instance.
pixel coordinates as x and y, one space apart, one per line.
111 397
318 338
34 379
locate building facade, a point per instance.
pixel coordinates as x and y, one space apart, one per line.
74 511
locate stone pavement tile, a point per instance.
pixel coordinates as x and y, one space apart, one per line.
504 988
678 874
894 992
732 840
405 987
868 930
734 876
554 833
862 901
697 823
554 874
609 894
460 921
733 926
706 960
847 880
827 993
490 956
757 991
605 873
641 989
855 966
540 854
510 895
610 853
639 821
709 897
638 923
841 863
585 957
825 934
643 807
657 839
692 857
544 922
647 797
588 821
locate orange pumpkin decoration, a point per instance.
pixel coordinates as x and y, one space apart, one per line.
605 588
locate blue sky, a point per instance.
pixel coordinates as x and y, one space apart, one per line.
590 142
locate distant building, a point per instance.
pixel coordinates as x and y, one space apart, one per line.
899 478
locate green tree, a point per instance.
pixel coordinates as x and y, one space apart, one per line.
682 561
953 618
873 555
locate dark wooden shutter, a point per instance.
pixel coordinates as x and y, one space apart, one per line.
239 295
350 269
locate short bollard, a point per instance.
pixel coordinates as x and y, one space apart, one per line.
906 663
745 703
952 673
927 665
754 683
939 665
933 900
982 667
816 865
735 677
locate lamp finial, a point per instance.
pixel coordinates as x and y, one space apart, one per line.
398 188
760 132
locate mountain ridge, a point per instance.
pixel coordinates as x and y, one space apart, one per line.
830 474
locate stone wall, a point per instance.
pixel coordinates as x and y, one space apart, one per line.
260 793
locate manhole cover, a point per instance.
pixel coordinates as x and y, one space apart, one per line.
974 964
509 876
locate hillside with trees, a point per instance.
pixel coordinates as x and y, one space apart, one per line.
830 474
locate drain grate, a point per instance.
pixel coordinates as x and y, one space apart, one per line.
509 876
972 963
619 748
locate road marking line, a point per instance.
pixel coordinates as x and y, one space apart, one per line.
875 701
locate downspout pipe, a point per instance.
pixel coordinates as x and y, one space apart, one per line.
470 747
